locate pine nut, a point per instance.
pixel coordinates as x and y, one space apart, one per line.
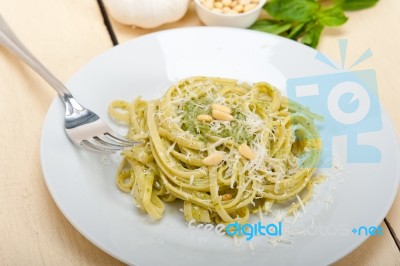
219 115
205 118
218 5
209 4
246 152
249 7
222 108
213 159
230 6
226 10
226 2
227 196
238 8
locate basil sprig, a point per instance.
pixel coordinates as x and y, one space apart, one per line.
304 20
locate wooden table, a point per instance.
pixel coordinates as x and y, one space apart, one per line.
65 35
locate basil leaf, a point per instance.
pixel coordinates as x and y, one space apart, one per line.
296 31
304 20
311 38
338 2
292 10
271 26
352 5
333 16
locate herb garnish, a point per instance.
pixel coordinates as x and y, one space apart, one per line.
304 20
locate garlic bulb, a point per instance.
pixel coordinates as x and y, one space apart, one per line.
147 13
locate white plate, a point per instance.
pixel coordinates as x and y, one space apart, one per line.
83 187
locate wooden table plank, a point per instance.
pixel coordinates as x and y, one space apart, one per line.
377 250
64 35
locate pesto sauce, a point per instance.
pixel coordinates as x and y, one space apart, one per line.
193 108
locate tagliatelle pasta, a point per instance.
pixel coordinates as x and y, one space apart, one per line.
222 147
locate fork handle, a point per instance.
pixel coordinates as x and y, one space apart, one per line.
9 39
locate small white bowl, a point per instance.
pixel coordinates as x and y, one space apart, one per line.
242 20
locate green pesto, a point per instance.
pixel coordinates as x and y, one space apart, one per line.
193 108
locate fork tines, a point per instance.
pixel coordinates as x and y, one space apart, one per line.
108 142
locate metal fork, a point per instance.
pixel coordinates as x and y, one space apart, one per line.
83 127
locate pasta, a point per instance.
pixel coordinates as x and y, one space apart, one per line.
224 148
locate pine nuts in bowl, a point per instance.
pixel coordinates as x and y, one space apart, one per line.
229 13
